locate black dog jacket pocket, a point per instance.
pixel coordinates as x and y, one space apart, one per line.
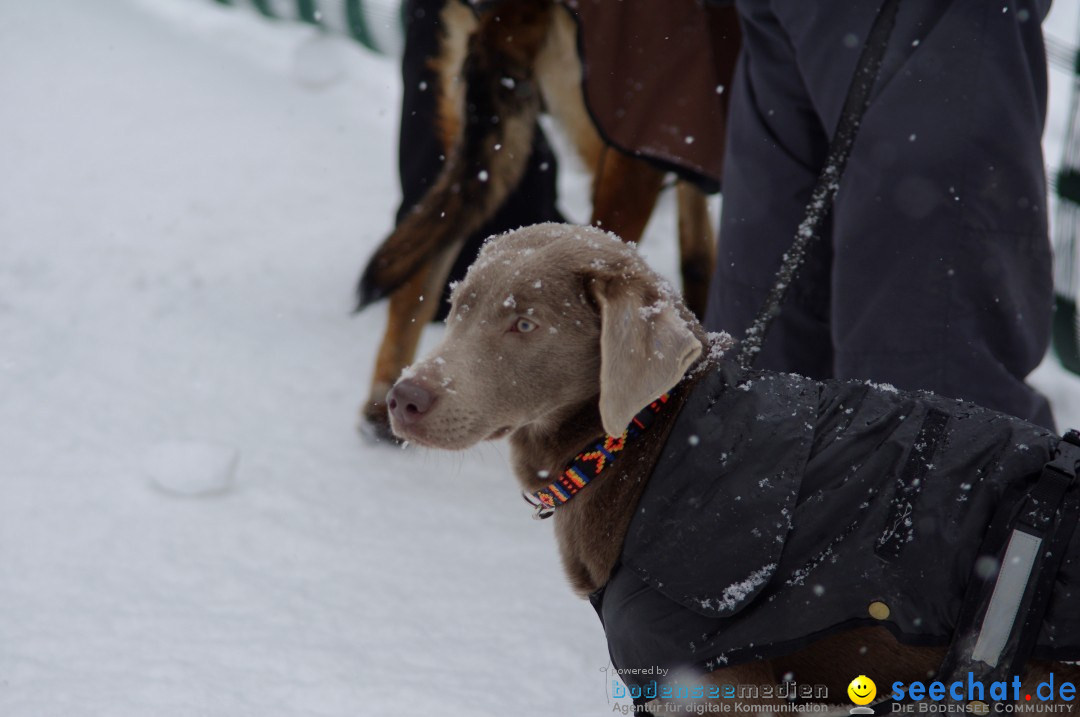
715 474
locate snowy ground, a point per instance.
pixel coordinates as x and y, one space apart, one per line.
187 197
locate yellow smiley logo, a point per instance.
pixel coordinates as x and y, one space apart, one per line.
862 690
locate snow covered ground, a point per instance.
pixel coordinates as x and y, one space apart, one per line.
188 194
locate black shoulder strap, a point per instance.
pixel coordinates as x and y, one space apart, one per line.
828 181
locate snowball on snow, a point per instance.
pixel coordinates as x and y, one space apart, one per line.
191 468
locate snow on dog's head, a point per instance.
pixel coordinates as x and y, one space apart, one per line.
549 320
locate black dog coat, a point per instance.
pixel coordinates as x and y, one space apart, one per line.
781 508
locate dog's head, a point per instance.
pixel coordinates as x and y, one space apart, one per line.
548 317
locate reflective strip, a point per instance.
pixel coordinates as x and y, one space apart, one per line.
1012 582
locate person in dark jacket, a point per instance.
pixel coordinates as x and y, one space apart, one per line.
934 269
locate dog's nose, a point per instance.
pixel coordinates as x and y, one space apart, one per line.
409 401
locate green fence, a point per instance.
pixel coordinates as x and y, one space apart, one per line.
1066 186
375 24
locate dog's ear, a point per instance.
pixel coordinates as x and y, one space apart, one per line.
645 348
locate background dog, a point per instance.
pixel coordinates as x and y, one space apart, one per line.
498 69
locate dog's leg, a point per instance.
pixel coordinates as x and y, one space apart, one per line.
624 188
697 246
559 72
624 194
458 24
412 307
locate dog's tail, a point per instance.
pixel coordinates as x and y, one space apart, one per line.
489 156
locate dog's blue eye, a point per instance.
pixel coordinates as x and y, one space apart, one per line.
524 326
